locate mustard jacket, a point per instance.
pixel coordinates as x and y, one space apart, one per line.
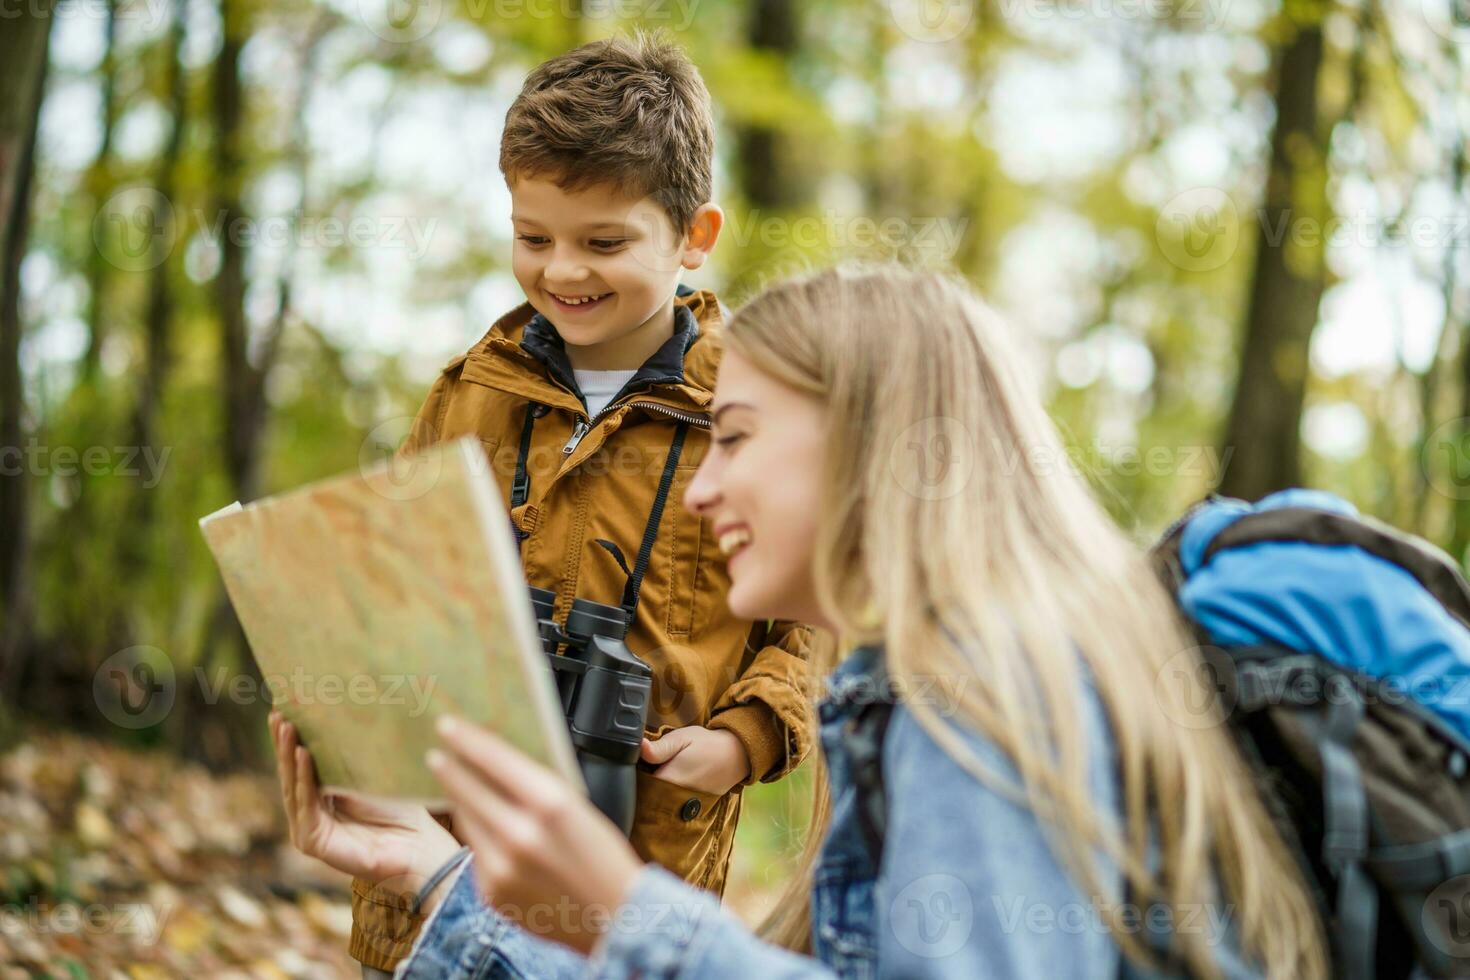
590 478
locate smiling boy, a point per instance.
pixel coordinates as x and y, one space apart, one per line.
592 402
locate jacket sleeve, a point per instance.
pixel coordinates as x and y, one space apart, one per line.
465 939
769 706
383 929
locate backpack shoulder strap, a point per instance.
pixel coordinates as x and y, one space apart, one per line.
865 734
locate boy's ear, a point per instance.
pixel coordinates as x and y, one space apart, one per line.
704 231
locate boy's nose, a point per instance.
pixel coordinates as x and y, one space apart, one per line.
564 269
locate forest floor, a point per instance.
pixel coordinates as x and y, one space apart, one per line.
129 864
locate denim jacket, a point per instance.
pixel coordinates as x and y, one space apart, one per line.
968 886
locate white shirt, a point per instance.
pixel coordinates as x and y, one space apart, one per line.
599 387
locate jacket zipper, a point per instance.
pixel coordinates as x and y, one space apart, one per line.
581 428
700 420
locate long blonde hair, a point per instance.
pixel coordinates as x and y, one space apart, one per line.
951 513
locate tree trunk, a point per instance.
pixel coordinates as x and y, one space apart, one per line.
1264 429
223 734
23 58
159 314
237 378
101 184
226 734
772 29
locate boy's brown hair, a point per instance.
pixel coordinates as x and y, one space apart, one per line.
632 112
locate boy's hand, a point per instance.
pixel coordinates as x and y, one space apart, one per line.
399 846
710 760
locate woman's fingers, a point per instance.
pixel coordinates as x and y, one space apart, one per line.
478 800
492 865
508 771
484 820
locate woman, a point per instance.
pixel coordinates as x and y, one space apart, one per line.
880 469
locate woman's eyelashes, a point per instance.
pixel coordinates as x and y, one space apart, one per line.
726 441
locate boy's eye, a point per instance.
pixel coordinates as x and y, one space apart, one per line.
607 243
533 239
730 440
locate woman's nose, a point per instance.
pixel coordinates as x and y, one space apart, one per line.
701 494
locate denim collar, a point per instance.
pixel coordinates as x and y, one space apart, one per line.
859 680
666 366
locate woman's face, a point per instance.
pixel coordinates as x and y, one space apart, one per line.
759 487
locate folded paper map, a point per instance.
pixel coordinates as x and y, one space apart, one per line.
377 601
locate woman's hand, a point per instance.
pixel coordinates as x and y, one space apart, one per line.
544 856
398 846
710 760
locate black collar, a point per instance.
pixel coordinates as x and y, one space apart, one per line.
666 366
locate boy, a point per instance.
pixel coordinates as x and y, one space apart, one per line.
591 401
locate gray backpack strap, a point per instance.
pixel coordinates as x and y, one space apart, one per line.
864 739
1422 867
1345 838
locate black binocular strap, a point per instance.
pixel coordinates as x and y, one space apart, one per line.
520 490
520 486
655 516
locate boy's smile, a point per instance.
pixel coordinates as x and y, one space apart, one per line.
578 304
603 267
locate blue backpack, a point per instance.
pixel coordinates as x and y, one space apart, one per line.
1339 652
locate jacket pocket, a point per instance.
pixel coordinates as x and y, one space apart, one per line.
701 581
687 831
686 533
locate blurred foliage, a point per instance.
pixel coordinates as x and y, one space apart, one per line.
1040 150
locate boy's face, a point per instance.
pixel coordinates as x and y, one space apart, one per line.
603 267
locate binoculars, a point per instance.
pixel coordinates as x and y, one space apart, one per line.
604 693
